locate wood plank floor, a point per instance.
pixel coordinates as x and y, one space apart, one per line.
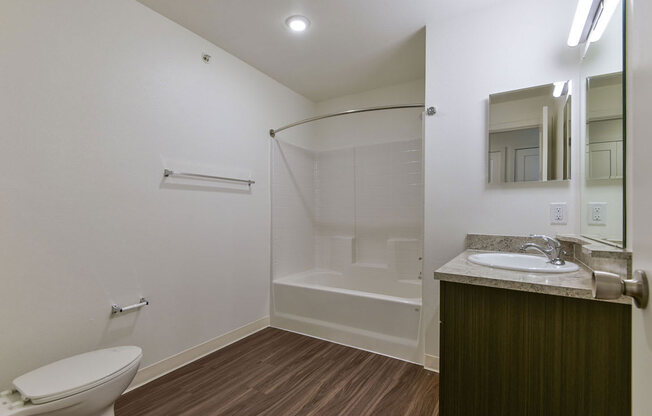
275 372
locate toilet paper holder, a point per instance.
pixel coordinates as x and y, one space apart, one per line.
607 285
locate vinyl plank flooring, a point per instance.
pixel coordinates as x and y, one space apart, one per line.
280 373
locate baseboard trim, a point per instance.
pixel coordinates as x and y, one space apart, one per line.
163 367
431 362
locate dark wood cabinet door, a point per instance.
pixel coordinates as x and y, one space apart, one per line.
507 352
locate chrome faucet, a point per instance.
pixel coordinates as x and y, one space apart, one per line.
552 250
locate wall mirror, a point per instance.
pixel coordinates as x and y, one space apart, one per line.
602 211
530 134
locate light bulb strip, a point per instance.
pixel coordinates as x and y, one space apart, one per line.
583 21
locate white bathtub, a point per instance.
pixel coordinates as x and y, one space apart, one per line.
369 312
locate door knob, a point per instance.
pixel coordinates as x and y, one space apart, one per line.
607 285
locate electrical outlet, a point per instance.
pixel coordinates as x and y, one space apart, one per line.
598 213
558 213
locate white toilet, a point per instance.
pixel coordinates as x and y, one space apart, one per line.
84 385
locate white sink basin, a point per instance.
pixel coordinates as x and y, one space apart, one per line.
522 262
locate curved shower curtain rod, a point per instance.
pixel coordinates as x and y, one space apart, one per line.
273 132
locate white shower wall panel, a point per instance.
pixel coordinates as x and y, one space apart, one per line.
335 202
358 205
293 209
389 197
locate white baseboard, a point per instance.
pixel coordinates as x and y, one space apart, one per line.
156 370
431 362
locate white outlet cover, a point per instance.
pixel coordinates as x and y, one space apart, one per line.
597 213
558 213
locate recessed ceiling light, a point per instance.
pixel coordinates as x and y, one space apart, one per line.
297 23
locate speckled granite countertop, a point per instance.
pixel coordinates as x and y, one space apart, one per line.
575 285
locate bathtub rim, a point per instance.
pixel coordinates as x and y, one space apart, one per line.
290 281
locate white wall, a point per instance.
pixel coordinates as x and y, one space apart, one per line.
512 45
96 95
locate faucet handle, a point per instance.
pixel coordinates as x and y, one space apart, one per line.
555 242
551 241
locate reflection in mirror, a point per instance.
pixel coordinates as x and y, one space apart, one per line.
604 127
529 134
602 137
604 158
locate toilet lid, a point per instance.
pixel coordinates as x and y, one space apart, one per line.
75 374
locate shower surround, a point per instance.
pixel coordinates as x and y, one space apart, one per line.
347 244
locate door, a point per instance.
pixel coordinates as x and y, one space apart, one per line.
604 160
639 142
526 164
496 167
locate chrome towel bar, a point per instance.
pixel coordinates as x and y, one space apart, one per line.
168 172
117 309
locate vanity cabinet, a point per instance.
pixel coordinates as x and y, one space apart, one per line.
508 352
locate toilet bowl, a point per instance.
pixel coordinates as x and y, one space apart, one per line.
84 385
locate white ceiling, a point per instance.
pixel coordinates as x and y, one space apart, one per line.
351 45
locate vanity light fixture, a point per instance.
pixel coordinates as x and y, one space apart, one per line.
297 23
582 21
591 20
609 7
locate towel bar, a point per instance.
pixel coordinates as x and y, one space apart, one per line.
117 309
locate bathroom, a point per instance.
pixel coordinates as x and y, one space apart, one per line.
272 208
